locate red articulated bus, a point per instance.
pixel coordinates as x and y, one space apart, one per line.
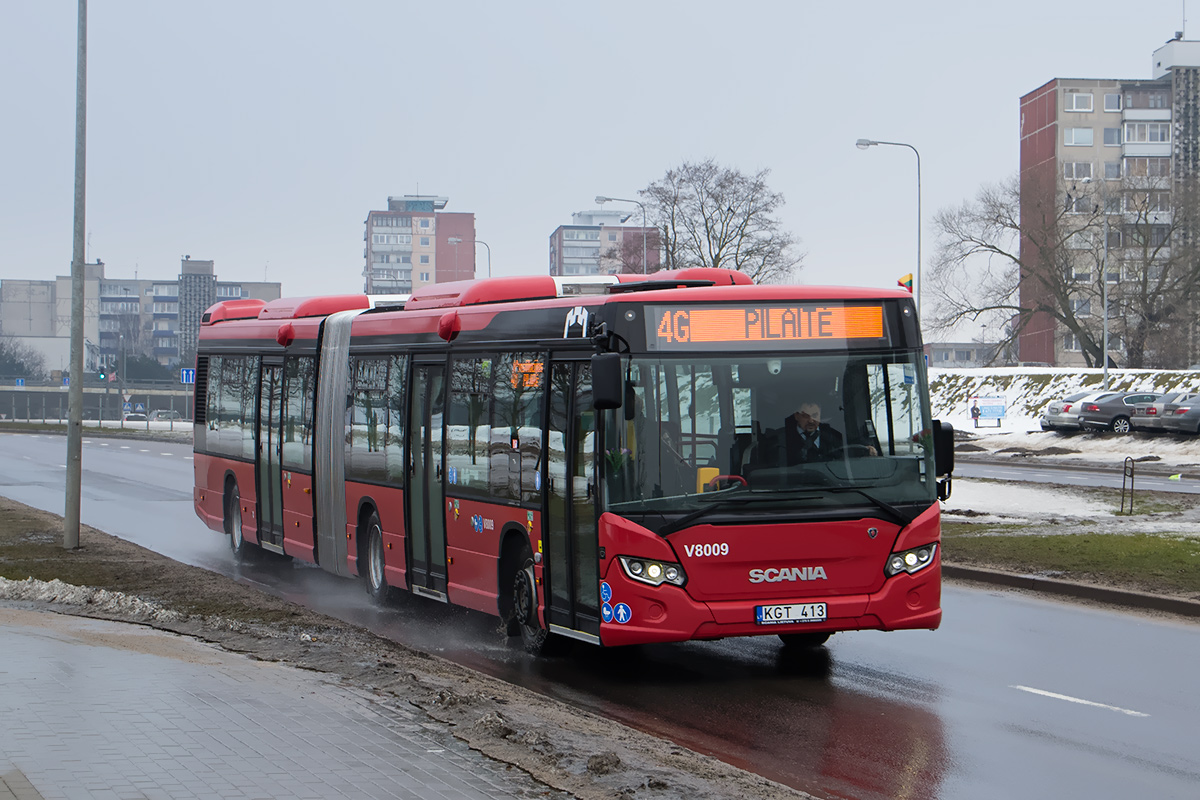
613 459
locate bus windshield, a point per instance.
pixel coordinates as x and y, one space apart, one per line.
771 433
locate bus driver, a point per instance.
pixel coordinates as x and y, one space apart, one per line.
808 439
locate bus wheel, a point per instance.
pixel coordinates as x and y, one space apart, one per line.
799 640
377 585
242 550
537 640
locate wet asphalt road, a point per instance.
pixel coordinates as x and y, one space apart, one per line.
1014 696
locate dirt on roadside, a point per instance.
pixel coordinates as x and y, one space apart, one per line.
566 748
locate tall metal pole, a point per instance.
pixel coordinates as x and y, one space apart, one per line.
1104 281
75 390
863 144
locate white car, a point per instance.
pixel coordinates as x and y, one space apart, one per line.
1064 414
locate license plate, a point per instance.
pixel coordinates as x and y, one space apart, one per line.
783 615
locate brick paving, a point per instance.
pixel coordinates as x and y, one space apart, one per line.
108 711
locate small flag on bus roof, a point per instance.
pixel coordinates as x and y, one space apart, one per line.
905 281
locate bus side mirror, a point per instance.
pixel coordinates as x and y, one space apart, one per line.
607 381
943 447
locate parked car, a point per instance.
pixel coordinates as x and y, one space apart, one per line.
1150 416
1064 413
1112 412
1184 418
135 417
164 415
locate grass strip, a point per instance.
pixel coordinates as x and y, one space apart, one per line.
1168 564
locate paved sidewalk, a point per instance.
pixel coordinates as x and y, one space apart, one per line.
95 709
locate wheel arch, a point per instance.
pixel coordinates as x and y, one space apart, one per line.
366 507
513 539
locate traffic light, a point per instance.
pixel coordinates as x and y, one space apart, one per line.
102 374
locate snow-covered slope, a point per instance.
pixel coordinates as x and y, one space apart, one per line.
1028 390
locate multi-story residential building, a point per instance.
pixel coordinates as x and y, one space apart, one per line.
598 243
414 243
130 316
1109 161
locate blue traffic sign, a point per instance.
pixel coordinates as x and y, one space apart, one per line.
187 376
20 381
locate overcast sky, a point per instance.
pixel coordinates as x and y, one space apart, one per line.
259 133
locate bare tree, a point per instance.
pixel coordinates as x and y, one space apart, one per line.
714 216
626 257
19 360
1007 257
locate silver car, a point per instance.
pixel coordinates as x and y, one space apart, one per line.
1184 418
1064 414
1150 416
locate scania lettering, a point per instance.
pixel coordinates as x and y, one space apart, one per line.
787 574
604 459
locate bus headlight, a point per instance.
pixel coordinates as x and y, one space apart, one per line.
910 561
654 573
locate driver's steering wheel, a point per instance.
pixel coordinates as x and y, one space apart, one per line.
714 484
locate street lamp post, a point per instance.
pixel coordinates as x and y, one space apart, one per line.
1104 280
601 199
863 144
455 240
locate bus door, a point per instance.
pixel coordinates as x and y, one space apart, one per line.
270 485
426 495
572 558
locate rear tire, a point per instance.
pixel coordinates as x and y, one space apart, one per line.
805 640
537 640
1120 425
377 585
242 550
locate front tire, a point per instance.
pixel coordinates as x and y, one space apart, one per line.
1120 425
805 640
377 585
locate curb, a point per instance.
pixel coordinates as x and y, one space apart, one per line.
1082 591
1142 467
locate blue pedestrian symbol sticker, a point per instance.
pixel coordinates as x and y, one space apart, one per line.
622 613
606 612
605 592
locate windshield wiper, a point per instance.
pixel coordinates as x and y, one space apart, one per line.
894 513
711 505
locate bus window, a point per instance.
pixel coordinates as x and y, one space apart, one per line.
467 431
393 442
298 412
515 451
367 420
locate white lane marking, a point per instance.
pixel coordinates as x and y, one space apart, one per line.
124 447
166 454
104 444
189 458
1070 699
143 450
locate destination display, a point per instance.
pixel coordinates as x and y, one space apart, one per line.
763 327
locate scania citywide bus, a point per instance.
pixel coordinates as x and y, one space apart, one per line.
601 458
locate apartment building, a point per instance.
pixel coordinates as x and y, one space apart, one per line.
1109 160
415 243
135 316
599 243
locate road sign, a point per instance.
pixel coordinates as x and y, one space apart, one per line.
20 382
140 408
127 408
66 380
187 376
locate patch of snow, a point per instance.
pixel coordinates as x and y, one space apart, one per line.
56 591
1016 502
1027 391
